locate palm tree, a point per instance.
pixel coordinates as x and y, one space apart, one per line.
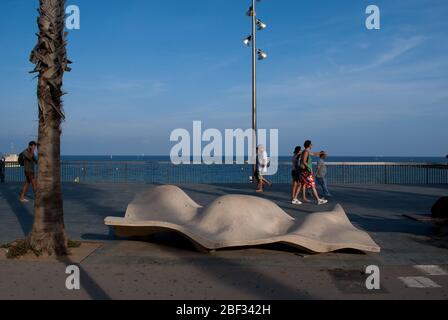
50 57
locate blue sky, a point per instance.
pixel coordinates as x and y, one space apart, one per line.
143 68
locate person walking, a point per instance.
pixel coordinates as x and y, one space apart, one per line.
295 174
28 159
262 168
307 176
321 174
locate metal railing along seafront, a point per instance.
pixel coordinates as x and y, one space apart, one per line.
166 172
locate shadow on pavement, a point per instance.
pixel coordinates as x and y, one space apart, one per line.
263 285
87 282
21 211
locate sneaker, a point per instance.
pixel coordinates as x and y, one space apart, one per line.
296 201
321 201
24 200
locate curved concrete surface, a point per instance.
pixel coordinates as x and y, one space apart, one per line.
237 221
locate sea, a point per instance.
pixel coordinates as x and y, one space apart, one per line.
159 169
282 159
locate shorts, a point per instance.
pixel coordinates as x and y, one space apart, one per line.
258 176
307 179
29 176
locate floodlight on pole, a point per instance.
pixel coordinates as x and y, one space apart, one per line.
247 40
261 25
250 12
261 54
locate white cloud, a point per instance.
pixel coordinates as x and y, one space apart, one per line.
399 47
139 87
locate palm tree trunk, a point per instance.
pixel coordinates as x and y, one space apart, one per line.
50 58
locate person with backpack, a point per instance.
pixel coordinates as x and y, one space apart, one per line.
27 160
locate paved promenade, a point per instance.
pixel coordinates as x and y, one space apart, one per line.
167 266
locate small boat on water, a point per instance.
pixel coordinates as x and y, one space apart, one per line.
12 160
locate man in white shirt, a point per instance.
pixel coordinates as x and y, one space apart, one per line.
262 168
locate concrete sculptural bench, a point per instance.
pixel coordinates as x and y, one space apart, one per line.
237 221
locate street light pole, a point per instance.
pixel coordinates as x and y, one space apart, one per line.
252 39
254 86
